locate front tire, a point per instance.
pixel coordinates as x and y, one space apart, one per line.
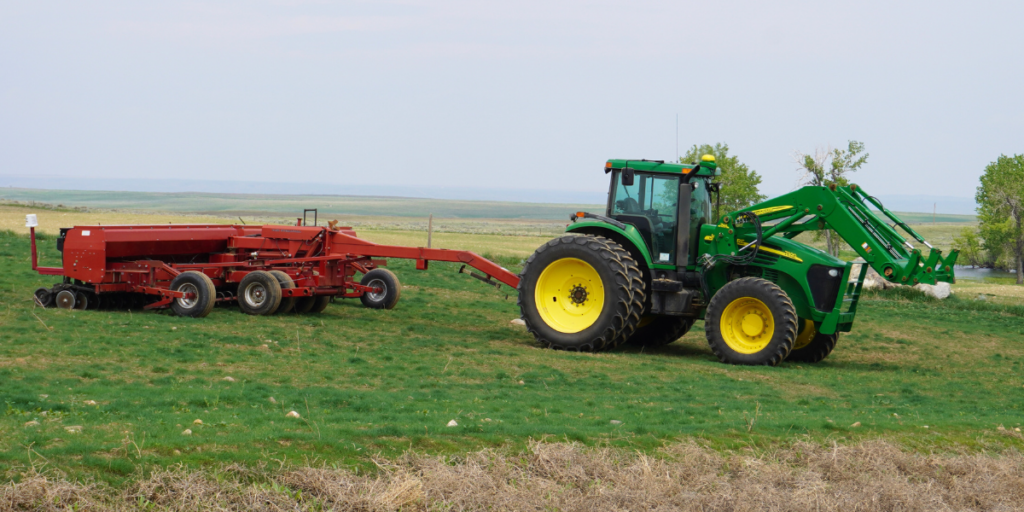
580 292
661 331
812 346
751 321
390 289
204 294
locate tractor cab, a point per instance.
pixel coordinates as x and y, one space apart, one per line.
666 203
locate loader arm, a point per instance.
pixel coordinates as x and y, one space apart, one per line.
847 211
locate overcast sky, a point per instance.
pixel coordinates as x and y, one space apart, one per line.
522 94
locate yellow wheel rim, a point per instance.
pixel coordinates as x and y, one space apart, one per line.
806 335
747 325
569 295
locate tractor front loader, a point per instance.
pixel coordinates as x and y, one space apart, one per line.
655 262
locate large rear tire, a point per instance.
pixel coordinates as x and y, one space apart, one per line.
661 330
203 295
580 292
286 282
751 321
259 293
812 346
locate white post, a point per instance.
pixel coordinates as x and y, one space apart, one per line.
430 229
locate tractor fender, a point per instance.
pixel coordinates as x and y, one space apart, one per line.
628 238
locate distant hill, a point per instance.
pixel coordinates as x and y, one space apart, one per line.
263 205
924 204
903 203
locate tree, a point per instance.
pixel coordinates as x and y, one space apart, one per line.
1000 200
739 182
831 165
970 246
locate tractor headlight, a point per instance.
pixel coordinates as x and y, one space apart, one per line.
833 273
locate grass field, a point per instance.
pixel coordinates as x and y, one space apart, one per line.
368 381
105 396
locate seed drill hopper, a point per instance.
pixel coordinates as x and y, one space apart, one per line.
265 269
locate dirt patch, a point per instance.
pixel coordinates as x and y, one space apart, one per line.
684 476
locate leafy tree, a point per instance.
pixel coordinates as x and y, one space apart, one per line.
1001 207
739 182
970 245
831 165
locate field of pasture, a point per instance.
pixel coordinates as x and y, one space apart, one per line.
142 410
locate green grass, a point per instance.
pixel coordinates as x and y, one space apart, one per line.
369 382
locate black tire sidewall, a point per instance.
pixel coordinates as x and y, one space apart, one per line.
604 325
818 349
47 298
392 289
206 295
320 303
286 282
304 305
270 284
779 346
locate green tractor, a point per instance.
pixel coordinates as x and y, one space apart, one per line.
659 258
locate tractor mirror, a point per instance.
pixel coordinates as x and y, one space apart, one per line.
627 177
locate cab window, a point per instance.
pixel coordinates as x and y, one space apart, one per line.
650 205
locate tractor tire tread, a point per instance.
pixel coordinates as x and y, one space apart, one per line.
625 284
638 297
818 349
787 323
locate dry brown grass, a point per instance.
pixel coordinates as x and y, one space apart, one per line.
1007 294
554 476
12 217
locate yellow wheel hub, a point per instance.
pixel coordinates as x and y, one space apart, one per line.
747 325
806 335
569 295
